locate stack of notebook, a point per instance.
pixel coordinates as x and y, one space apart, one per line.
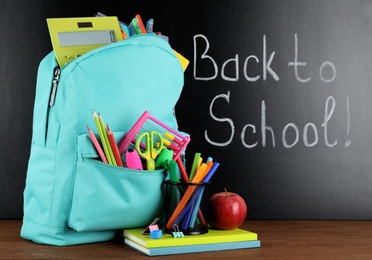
214 240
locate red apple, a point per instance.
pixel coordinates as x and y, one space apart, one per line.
226 210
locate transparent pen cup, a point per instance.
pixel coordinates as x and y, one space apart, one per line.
186 207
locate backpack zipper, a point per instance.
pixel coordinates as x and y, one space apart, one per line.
53 91
57 73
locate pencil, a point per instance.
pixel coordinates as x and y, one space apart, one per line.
102 137
114 146
109 150
96 145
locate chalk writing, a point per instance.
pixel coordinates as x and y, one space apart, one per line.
267 60
268 131
310 131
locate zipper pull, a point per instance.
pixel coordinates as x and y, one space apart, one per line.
57 72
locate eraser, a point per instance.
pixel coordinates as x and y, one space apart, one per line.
155 234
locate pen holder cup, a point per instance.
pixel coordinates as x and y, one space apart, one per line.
185 207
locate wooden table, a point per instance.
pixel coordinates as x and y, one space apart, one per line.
279 240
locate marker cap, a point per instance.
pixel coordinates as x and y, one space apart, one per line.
165 155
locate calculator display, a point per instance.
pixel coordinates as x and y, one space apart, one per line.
67 39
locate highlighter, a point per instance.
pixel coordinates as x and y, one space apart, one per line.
133 160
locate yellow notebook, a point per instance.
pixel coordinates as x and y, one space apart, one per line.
213 236
184 62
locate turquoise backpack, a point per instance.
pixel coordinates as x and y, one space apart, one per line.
70 197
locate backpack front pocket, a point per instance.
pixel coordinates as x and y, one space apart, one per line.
108 197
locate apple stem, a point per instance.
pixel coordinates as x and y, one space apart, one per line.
225 191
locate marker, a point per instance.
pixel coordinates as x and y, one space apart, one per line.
199 174
194 165
172 168
135 26
209 175
140 25
184 175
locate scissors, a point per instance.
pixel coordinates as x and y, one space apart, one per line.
153 146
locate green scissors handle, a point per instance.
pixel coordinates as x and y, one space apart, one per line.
153 146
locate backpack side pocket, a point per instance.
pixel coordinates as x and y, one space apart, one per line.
107 197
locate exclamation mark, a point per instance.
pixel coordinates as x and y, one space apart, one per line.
348 142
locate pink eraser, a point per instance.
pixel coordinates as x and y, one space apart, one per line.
133 160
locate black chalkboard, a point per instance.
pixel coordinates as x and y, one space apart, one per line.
278 92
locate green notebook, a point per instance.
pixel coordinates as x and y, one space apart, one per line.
213 236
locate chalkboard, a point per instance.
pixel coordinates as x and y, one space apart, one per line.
278 92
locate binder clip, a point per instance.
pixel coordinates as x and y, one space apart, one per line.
177 233
152 227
